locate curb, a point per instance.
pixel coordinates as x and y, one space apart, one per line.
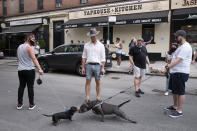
150 74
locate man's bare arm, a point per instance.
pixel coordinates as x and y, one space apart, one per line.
131 60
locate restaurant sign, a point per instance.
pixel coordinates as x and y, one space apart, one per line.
137 7
177 4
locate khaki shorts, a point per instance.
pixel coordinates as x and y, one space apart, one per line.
138 72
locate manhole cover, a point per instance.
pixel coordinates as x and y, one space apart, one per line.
115 78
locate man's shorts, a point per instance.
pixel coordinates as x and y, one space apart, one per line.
138 72
118 54
177 83
93 70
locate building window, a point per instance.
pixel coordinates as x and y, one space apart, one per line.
83 1
58 4
148 32
40 4
191 32
21 6
4 7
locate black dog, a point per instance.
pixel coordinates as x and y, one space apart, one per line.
105 109
63 115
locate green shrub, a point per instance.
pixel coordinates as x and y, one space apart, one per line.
42 44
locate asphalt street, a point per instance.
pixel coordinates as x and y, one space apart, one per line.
61 90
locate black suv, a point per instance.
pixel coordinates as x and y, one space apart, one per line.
67 57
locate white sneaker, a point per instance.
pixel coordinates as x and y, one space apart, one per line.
19 107
31 107
166 93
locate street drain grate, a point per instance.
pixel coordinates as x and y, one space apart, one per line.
115 78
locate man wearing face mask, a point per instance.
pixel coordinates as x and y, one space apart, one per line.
179 69
138 57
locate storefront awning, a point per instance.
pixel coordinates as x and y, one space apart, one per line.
20 29
186 11
140 18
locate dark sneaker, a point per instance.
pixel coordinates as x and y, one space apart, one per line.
137 94
86 101
31 107
98 102
170 108
19 106
140 91
176 114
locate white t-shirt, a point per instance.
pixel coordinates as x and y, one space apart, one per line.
118 50
36 49
94 53
185 53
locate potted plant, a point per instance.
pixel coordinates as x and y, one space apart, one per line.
42 44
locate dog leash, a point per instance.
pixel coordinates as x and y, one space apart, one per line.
123 91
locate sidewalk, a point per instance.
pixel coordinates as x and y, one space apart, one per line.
8 60
125 68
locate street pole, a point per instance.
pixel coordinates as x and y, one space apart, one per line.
108 41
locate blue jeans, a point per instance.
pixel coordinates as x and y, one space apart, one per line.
93 70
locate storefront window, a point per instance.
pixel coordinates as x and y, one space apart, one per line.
58 4
21 6
148 32
191 33
40 4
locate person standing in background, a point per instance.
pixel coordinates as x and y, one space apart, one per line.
168 59
132 43
179 70
26 70
138 57
194 59
118 47
149 42
36 49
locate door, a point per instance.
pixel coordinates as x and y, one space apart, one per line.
58 34
105 34
55 59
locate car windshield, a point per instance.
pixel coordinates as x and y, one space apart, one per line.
69 48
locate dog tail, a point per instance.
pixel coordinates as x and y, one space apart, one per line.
47 115
123 103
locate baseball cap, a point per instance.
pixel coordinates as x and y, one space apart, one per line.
180 33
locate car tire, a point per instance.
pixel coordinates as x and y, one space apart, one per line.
79 69
44 66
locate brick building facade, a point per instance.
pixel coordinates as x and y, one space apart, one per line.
31 6
135 18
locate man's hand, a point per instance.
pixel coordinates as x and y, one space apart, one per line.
41 72
83 71
150 67
163 70
193 62
102 70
